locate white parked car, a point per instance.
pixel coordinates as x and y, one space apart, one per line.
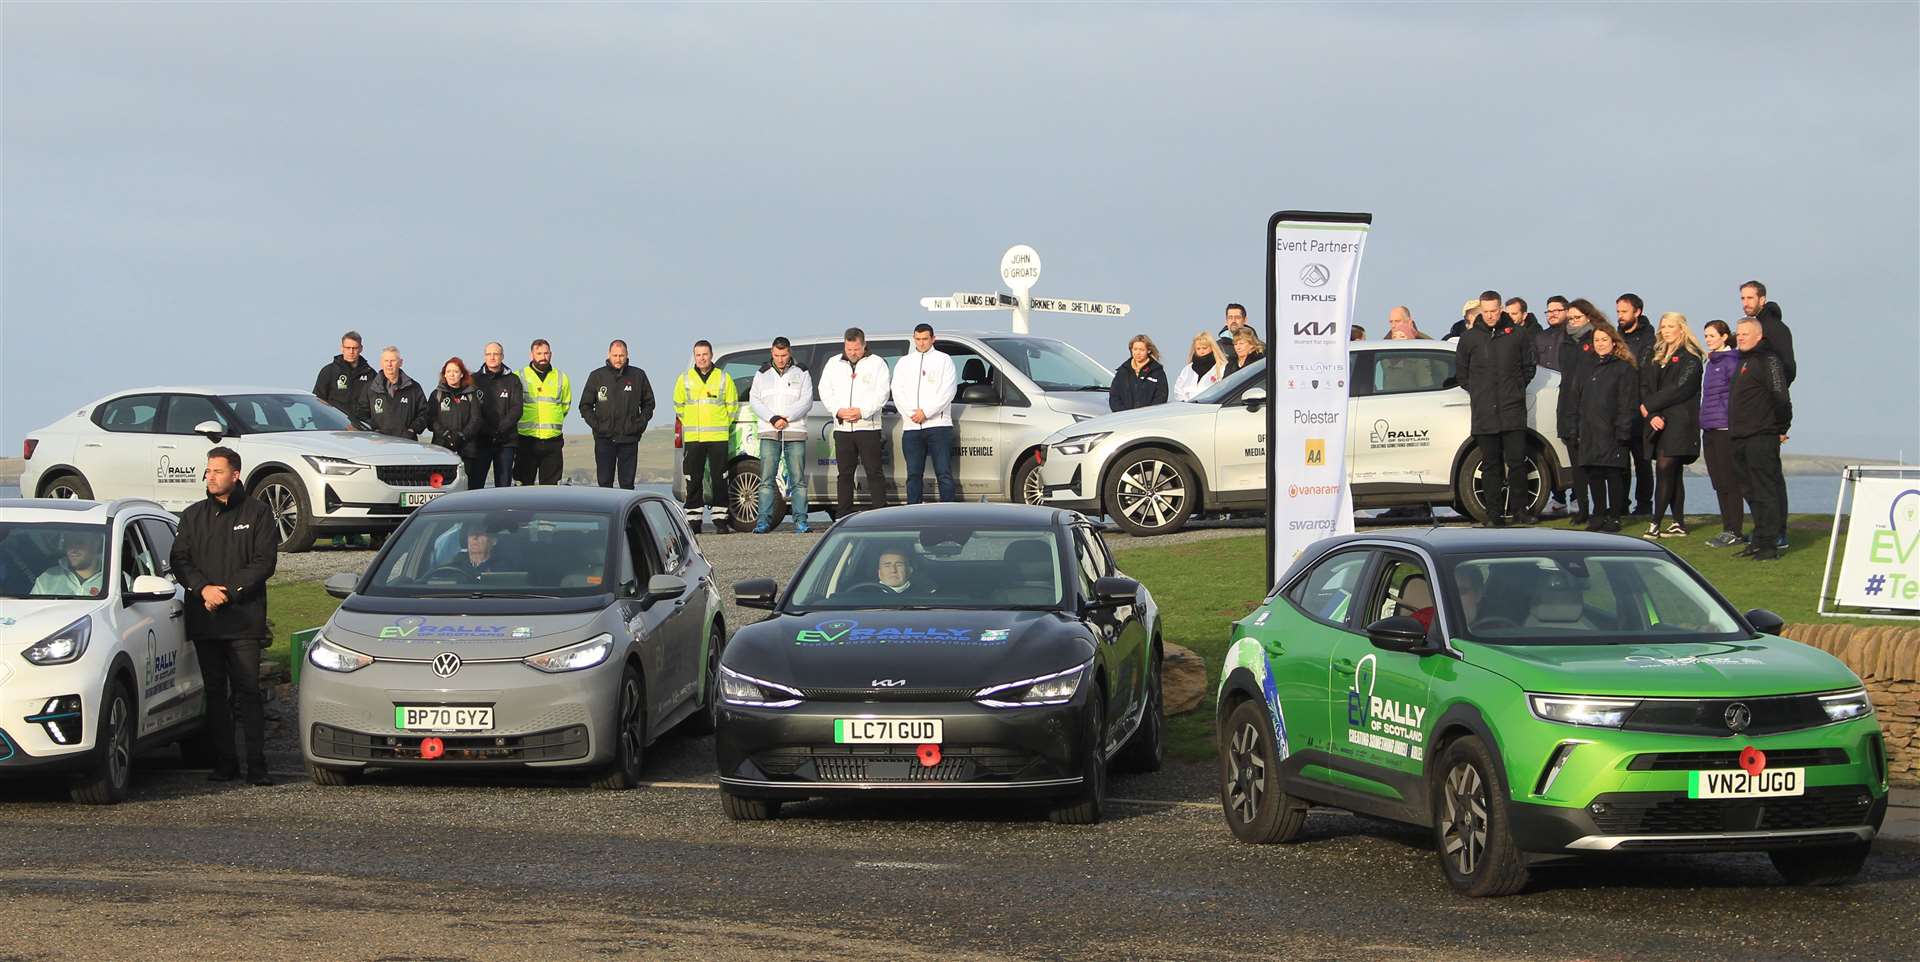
94 664
298 454
1408 443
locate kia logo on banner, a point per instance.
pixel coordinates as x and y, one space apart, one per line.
1313 275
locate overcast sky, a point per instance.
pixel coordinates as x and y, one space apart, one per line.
196 193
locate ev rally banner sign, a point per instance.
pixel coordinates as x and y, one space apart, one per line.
1313 275
1880 567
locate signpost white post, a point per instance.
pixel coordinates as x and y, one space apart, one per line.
1020 270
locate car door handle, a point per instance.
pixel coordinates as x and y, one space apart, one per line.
91 444
1343 665
176 613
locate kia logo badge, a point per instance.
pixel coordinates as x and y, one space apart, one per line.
446 663
1738 716
1315 275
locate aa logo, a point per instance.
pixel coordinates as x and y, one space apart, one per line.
1316 452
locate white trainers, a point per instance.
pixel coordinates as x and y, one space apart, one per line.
1554 506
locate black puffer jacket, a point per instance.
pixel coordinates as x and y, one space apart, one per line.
1608 398
1137 390
506 400
1759 403
234 545
1778 337
395 408
1576 359
617 404
343 385
1640 339
1495 365
1671 391
459 419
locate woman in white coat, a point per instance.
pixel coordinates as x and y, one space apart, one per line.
1205 364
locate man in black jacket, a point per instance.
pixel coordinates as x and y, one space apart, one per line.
1576 360
395 405
1638 332
617 404
504 396
1494 363
345 379
1759 416
223 556
1773 326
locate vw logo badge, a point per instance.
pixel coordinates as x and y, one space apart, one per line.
1738 716
446 663
1315 275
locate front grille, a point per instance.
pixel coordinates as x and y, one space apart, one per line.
1708 716
889 694
893 763
1727 761
415 475
548 746
1671 813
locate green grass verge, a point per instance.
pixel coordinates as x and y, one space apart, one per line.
1203 586
295 607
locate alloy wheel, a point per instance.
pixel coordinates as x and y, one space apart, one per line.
120 744
1248 771
1533 484
1033 488
746 497
62 491
1463 825
632 737
1151 493
285 506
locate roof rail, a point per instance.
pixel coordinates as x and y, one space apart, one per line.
118 504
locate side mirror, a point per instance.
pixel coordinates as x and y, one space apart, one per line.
1399 633
1765 622
341 584
211 429
660 587
1254 399
977 394
150 588
1114 591
758 593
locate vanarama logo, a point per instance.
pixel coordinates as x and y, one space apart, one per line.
1308 490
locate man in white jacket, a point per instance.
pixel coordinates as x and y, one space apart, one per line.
781 396
923 386
853 386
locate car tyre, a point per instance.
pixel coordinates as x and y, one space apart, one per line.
1471 826
1825 865
67 485
704 721
749 809
630 735
1466 489
1028 486
1257 808
743 498
1151 491
1084 808
1146 751
111 769
332 777
286 499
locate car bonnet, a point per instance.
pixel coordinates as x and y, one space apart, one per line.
480 636
945 649
1764 666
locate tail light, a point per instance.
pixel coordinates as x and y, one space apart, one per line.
26 448
677 441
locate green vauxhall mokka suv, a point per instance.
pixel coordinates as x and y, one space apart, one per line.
1532 695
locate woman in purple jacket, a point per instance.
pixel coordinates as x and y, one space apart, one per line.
1723 359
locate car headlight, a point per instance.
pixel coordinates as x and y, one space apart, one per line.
62 647
1592 712
325 654
1054 689
1081 443
739 689
1847 704
574 657
333 467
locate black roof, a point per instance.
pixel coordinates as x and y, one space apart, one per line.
555 497
967 513
1454 541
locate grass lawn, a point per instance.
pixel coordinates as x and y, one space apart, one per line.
1203 586
295 607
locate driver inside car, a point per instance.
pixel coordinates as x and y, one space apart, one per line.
896 572
480 557
78 571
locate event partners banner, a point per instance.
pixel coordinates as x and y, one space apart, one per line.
1313 274
1880 567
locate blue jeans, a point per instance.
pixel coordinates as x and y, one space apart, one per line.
917 445
499 459
794 453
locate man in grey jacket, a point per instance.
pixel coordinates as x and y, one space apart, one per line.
781 396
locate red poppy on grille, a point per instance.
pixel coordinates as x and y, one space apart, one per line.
929 755
436 479
432 748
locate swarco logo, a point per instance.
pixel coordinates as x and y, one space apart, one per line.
1384 436
1315 275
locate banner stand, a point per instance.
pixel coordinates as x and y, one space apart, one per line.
1895 491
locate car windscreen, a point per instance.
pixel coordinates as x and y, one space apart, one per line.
1227 386
40 560
500 553
269 413
931 568
1054 365
1582 598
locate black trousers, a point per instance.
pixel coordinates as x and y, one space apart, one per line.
232 673
1606 491
537 460
497 459
702 462
612 457
1757 459
1642 469
1718 447
862 447
1503 473
1576 479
